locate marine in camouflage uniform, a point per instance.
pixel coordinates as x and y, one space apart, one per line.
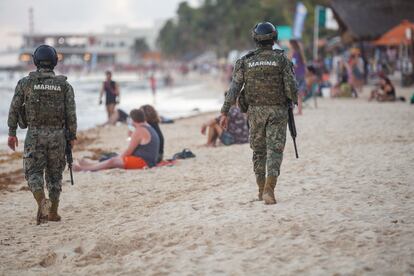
45 102
268 80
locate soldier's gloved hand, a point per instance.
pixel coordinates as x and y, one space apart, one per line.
13 142
100 101
224 121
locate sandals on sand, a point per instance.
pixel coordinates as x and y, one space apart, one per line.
186 153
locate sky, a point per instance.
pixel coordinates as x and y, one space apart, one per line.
79 15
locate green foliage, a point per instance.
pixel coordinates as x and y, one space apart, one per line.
223 25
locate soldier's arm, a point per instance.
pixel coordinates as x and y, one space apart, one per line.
289 81
71 123
235 87
17 102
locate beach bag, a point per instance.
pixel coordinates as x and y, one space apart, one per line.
345 91
242 101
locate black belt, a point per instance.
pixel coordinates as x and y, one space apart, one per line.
44 127
268 104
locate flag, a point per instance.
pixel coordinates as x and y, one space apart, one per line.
326 18
330 21
300 17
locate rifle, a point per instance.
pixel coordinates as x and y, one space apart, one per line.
292 128
68 148
69 158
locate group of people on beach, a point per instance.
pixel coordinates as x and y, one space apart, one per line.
265 80
348 72
351 78
146 140
45 104
145 148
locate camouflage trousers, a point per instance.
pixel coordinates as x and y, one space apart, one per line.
268 126
44 154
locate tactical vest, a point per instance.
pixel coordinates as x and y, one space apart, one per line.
263 77
44 101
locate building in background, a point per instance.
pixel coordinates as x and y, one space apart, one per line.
118 45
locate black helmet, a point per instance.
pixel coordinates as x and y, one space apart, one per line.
264 31
45 56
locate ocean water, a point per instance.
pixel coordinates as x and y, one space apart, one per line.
186 98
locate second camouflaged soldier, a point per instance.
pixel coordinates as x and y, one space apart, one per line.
46 104
269 86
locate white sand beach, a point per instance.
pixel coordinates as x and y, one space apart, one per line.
345 207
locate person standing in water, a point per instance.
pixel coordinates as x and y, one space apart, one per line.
112 94
153 84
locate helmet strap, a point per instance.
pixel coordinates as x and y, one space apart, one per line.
263 43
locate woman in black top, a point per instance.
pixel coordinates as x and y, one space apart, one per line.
153 120
385 92
111 90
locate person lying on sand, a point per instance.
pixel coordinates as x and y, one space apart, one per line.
142 151
237 131
118 116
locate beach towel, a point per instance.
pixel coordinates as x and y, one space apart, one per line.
166 163
107 155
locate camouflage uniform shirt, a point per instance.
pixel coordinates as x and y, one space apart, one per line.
269 83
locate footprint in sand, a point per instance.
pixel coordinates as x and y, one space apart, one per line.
78 250
49 260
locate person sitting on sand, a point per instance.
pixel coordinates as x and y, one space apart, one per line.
153 120
237 131
385 92
142 151
342 89
118 116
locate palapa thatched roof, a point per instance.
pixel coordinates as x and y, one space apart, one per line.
397 35
369 19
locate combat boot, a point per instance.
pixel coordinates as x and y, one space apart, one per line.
269 190
260 184
42 206
53 211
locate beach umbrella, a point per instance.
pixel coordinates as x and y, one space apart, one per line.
400 34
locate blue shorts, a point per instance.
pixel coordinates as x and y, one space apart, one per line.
226 138
301 85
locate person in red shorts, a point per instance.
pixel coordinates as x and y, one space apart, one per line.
142 151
